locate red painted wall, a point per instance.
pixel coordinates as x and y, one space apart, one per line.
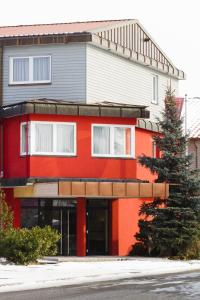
81 166
124 225
81 227
14 205
14 165
144 145
125 212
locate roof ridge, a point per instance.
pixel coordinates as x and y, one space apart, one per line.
62 23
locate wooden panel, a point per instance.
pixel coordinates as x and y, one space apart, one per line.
146 190
23 192
65 188
119 189
78 188
159 190
132 190
92 189
105 189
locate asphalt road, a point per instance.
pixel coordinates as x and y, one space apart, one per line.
176 286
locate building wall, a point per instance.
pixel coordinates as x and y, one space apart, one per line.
194 149
81 166
116 79
125 212
68 65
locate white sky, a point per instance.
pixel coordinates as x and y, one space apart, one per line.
174 24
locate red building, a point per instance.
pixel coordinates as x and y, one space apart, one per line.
72 129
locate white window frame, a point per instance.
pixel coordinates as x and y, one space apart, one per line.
30 81
112 154
31 139
155 90
21 140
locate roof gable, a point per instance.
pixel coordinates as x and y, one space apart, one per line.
123 37
130 39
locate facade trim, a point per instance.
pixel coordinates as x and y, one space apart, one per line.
87 189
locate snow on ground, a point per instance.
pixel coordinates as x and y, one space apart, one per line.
15 278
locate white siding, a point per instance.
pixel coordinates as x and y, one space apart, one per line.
68 73
116 79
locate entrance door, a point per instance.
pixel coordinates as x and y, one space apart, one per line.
97 227
59 214
64 221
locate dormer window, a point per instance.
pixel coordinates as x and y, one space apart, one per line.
30 70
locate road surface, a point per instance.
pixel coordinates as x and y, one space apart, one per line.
175 286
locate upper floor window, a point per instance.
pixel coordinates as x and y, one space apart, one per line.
48 138
30 70
154 89
113 140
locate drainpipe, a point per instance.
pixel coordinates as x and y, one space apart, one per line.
1 75
196 155
1 151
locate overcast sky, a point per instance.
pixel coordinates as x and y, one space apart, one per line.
174 24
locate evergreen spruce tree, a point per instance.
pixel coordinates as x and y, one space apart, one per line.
171 227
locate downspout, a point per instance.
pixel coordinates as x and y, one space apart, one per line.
1 75
1 124
1 150
196 155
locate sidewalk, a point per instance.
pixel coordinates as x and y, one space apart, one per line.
52 272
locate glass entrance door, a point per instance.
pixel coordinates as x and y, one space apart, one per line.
59 214
97 227
64 221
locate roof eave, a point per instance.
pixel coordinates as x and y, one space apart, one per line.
136 57
58 38
73 109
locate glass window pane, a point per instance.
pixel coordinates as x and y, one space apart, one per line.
128 141
122 141
24 138
155 89
41 68
20 69
65 138
44 137
101 140
29 217
119 141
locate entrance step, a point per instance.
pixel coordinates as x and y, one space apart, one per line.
86 258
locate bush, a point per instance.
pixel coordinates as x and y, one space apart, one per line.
25 246
191 252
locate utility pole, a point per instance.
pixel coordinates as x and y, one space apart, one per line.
185 113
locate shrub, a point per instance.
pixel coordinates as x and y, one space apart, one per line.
25 246
6 214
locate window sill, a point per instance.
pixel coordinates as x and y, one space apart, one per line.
48 155
29 84
114 157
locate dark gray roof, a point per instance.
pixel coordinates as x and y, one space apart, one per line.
61 107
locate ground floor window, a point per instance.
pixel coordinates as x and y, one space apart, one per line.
59 214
